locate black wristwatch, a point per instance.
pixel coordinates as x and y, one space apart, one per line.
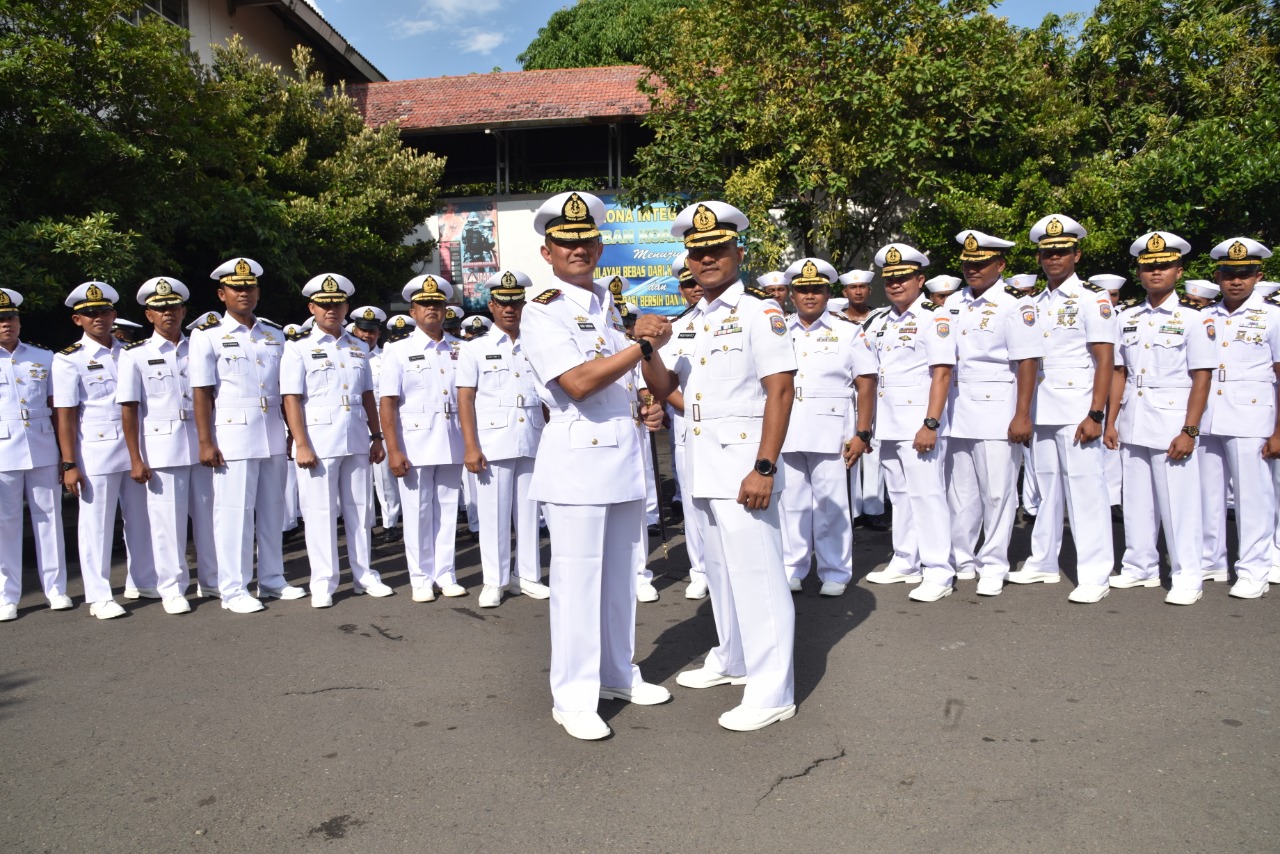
766 468
1097 415
931 423
375 437
68 466
1191 431
646 349
865 436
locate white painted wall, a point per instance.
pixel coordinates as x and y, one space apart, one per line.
261 30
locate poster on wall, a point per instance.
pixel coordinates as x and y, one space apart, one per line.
469 249
638 246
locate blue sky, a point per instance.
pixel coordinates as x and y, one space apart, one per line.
432 38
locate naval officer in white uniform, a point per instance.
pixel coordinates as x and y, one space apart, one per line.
502 421
28 464
235 377
731 357
95 461
829 430
588 473
327 387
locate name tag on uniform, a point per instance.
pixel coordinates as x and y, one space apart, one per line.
155 361
230 343
687 335
417 358
1130 329
319 355
94 366
588 326
494 356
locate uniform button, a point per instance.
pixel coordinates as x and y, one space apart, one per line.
99 435
908 401
800 376
1046 335
882 394
964 332
445 393
1255 400
697 431
804 354
344 385
342 364
706 327
988 397
1228 323
703 360
262 385
1219 391
1143 371
595 441
517 373
1146 346
521 419
725 348
698 396
1071 382
1224 343
742 436
1222 367
1139 394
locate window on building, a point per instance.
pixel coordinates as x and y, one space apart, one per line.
173 11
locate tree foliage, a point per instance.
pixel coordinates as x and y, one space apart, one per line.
600 32
871 120
122 158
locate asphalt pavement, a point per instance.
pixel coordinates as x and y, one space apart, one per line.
1020 723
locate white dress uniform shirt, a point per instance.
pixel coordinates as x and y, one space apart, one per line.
830 353
242 365
994 331
420 372
588 476
693 534
908 344
29 468
509 427
155 374
331 375
1071 477
1241 415
1159 346
384 482
720 351
84 377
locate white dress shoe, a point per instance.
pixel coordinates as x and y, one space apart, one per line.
243 605
1216 575
425 593
286 592
8 612
646 592
60 602
990 586
377 590
794 584
1033 576
587 726
321 600
1124 582
889 576
1183 596
207 592
832 588
966 575
1273 578
1087 594
1247 588
452 590
644 694
177 605
533 589
743 719
930 592
697 588
108 610
704 677
490 596
141 593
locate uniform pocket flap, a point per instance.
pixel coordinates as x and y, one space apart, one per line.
593 434
740 432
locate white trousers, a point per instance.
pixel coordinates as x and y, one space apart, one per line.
1162 493
1237 463
750 599
693 533
814 514
99 496
921 520
868 484
982 493
201 512
594 550
337 485
42 488
292 511
1030 489
1072 478
429 496
469 501
1115 476
384 483
502 500
170 498
248 505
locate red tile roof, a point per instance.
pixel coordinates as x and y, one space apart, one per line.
504 99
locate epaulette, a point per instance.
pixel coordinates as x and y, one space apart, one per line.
34 344
683 313
1131 302
210 324
134 344
1185 302
73 348
270 323
757 292
298 336
840 315
1272 299
930 306
1014 292
546 296
1090 286
873 316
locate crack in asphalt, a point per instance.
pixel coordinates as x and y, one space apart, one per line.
804 773
334 688
386 634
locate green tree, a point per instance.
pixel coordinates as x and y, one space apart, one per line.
600 32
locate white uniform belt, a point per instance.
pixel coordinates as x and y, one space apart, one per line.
444 406
1066 365
108 420
25 414
567 415
1263 375
247 402
831 391
345 400
1141 381
170 415
905 380
987 375
518 401
725 409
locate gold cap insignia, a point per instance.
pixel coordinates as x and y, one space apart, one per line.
369 315
93 293
1238 251
5 302
704 219
970 243
1054 228
243 268
615 286
329 285
212 318
429 285
893 256
810 270
163 288
1155 243
509 280
399 324
575 209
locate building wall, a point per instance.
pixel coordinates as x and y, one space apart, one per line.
260 28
